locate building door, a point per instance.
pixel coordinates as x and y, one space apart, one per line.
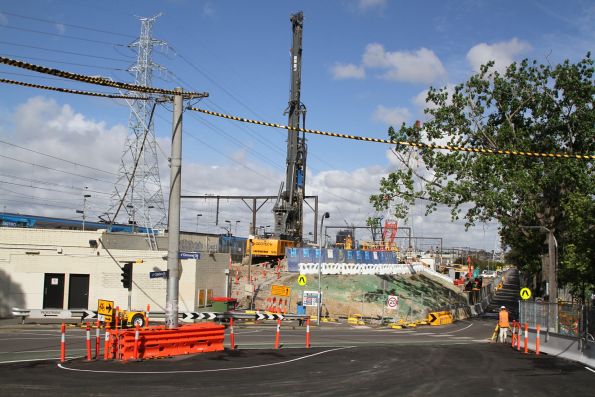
78 291
53 291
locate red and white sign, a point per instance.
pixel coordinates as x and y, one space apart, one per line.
392 302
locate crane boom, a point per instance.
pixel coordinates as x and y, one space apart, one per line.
288 210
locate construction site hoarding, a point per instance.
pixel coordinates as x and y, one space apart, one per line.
295 256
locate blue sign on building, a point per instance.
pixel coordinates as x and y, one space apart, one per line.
188 255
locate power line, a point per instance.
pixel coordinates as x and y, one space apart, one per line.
57 170
64 52
71 91
54 184
63 62
62 36
58 158
563 155
97 80
67 24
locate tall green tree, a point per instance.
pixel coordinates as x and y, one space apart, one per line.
530 107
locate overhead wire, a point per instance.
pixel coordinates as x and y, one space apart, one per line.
579 156
57 158
64 52
57 170
71 91
65 36
80 189
70 25
96 80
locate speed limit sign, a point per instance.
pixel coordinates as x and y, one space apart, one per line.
392 302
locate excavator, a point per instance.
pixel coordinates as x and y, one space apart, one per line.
288 208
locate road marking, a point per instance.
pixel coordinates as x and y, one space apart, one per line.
39 351
38 359
462 329
206 370
425 333
590 369
440 335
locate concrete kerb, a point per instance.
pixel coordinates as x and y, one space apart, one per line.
568 347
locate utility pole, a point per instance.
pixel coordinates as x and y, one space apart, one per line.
173 266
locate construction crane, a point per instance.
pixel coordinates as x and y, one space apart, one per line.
288 208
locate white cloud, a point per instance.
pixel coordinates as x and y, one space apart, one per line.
420 66
59 130
3 19
60 28
391 116
53 187
208 9
420 99
502 53
348 71
369 4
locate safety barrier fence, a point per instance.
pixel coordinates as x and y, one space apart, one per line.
85 315
556 329
158 341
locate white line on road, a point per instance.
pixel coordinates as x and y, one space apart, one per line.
206 370
37 359
462 329
40 351
590 369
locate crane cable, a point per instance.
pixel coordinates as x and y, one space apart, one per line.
97 80
403 143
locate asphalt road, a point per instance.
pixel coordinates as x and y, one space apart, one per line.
457 359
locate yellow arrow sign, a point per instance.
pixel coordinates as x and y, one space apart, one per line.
525 293
302 280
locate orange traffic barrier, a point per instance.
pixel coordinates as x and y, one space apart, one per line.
157 342
148 311
107 342
63 343
308 332
513 329
526 344
88 342
136 337
97 340
232 337
537 339
277 336
518 337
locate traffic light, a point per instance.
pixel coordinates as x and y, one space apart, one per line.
127 275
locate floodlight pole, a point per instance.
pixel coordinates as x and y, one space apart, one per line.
325 215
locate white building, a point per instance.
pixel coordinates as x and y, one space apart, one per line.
70 269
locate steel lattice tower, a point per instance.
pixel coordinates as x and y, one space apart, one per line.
144 202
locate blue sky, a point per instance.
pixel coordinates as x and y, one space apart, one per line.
366 65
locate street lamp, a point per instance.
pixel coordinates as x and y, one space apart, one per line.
237 227
229 228
197 216
325 215
85 197
552 245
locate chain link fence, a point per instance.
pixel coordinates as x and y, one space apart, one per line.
571 319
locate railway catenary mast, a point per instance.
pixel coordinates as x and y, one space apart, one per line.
288 209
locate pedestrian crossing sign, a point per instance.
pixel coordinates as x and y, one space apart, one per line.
525 293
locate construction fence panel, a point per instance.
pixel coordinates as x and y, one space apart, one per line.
571 319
